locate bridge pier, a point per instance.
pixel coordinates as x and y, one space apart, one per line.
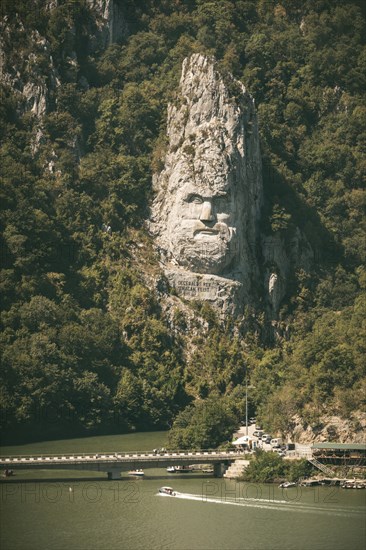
219 469
114 474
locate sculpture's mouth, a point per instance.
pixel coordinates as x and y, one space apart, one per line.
206 231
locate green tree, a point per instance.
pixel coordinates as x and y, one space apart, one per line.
203 425
265 468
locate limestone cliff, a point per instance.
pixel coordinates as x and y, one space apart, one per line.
207 208
281 257
330 428
110 20
22 71
32 73
31 70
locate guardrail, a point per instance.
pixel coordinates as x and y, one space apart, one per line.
121 456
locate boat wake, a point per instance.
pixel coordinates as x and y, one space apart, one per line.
267 504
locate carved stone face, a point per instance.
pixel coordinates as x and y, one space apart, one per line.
205 212
202 225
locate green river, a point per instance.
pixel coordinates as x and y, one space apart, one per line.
54 510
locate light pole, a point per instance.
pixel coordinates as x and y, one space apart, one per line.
246 402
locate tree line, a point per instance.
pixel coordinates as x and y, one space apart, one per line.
82 332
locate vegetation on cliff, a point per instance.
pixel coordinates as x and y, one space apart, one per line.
86 342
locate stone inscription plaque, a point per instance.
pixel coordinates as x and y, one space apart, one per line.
191 288
194 286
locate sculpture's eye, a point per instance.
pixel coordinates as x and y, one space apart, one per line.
195 199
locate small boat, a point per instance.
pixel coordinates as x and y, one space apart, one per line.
353 484
171 469
287 485
167 491
138 473
183 469
310 483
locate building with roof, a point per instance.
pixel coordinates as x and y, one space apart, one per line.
340 454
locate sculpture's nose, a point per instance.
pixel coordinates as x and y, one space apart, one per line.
206 212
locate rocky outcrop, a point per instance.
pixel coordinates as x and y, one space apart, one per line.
282 255
23 73
206 212
331 428
209 194
30 72
110 20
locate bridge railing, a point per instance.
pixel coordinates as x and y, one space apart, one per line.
108 455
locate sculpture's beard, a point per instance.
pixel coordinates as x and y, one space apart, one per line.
203 248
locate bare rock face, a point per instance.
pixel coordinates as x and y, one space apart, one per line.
111 21
280 258
31 83
209 194
330 428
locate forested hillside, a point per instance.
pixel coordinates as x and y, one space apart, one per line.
86 337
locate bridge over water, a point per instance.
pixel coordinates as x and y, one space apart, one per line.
114 463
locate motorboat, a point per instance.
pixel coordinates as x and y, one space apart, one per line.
139 473
183 469
169 491
287 485
310 482
353 484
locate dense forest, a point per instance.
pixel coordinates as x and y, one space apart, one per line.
86 342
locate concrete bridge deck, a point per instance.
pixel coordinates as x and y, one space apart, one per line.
115 463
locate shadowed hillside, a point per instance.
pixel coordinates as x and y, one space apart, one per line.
93 337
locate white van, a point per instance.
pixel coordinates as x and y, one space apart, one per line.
276 442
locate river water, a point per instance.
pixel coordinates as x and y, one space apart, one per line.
55 510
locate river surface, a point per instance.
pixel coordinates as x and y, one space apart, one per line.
56 510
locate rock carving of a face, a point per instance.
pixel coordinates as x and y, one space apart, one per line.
208 194
202 227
